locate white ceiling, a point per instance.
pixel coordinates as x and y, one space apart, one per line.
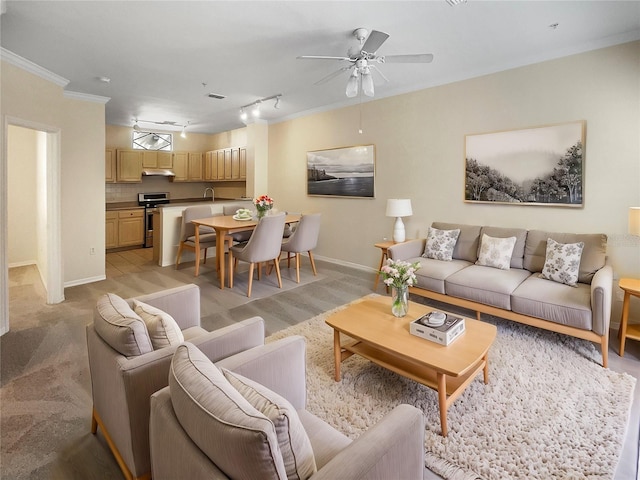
158 54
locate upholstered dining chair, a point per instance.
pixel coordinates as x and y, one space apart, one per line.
130 346
188 231
263 246
303 239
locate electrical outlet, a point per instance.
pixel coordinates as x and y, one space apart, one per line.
92 251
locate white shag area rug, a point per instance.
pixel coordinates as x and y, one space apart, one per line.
549 411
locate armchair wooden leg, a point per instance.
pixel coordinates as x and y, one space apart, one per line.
250 279
313 264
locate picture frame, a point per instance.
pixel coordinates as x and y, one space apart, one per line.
347 172
533 166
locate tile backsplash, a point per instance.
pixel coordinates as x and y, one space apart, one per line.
124 192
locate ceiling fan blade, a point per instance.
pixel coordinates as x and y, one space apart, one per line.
374 41
321 57
331 75
418 58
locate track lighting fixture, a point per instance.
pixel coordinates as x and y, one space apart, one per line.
183 134
254 107
136 127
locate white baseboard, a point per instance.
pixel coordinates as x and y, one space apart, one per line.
83 281
22 264
345 263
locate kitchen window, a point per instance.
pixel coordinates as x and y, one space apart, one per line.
152 141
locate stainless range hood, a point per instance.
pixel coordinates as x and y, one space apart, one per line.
158 172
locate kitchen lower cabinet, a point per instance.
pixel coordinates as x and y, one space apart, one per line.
111 230
124 228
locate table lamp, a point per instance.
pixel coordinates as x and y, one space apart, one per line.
634 221
399 207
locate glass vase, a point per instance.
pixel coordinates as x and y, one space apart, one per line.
400 301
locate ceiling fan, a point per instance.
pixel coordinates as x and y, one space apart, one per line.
362 61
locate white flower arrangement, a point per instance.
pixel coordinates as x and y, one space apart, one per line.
399 273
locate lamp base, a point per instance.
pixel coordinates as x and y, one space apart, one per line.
398 231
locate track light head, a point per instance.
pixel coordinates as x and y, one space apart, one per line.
256 109
243 115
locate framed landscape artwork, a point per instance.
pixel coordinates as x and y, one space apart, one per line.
342 172
533 166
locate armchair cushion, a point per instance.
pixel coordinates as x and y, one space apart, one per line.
119 326
239 439
163 329
295 446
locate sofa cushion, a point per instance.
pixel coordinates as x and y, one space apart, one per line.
495 252
562 262
240 440
467 245
440 243
432 273
490 286
555 302
119 326
163 329
517 257
293 441
593 254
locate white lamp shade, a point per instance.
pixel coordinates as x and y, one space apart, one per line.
634 221
399 207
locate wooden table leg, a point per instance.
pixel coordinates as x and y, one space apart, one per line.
486 368
622 332
382 259
197 250
220 235
337 354
442 402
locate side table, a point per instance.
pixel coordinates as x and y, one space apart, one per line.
383 246
631 286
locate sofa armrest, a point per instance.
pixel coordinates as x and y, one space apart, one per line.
182 303
232 339
601 295
393 448
406 250
280 366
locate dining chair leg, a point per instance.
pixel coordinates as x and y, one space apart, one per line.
231 264
179 254
205 255
259 271
298 267
250 279
288 259
277 265
313 264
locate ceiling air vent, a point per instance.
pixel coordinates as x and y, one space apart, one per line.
217 96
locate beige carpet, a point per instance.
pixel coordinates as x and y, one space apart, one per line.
549 410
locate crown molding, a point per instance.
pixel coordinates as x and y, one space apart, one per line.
20 62
87 97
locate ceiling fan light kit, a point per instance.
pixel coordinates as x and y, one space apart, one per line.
362 61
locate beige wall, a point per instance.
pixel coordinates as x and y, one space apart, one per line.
22 196
32 99
419 141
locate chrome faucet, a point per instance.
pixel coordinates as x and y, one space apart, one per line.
205 193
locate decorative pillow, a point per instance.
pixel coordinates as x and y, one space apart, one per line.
496 252
440 243
240 440
163 329
562 262
294 443
120 326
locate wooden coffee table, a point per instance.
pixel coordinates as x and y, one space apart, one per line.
384 339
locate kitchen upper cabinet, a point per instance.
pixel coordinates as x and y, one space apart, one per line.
129 166
227 164
235 163
156 159
243 163
110 165
220 164
211 166
188 167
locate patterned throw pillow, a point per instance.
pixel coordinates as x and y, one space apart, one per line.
562 262
440 244
496 252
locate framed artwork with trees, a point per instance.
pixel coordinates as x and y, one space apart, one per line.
533 166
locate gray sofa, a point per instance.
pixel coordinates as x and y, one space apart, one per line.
200 429
519 294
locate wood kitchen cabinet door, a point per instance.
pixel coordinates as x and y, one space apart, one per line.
211 165
130 227
129 166
180 166
195 173
110 165
243 163
220 165
235 164
165 160
227 164
111 230
149 159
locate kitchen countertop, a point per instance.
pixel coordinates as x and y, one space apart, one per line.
110 206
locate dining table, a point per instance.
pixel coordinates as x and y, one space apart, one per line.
223 226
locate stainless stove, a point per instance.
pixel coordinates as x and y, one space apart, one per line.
150 202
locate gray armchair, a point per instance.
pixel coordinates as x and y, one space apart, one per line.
123 378
263 246
393 448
